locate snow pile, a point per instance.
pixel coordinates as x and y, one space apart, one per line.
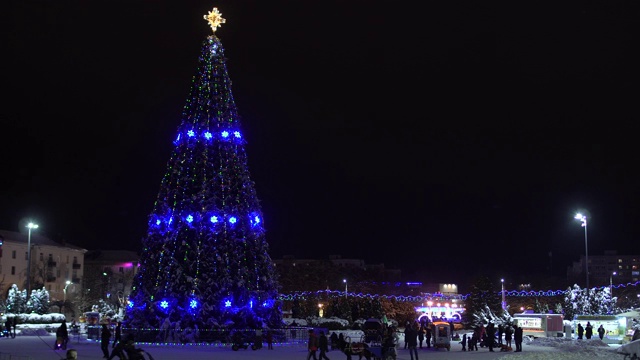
632 348
565 349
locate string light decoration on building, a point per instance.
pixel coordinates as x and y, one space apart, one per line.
205 258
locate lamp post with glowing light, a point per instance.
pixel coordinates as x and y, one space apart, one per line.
504 302
64 301
611 283
583 219
30 226
345 287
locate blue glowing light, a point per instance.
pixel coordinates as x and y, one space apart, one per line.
158 222
191 133
164 304
178 138
251 304
236 134
193 303
214 219
227 303
189 219
225 134
233 220
207 135
130 304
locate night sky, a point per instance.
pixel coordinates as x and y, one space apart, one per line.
447 140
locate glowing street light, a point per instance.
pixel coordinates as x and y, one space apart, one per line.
345 287
65 293
611 283
30 226
504 302
583 219
65 289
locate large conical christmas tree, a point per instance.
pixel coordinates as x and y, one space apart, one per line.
205 259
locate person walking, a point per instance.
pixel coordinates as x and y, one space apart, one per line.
118 335
312 345
323 346
411 336
500 333
517 337
421 332
588 331
580 331
601 332
105 339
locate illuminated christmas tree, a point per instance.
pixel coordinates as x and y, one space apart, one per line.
205 259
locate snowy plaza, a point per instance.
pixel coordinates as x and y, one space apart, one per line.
39 346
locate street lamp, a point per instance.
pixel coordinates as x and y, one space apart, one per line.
583 219
345 287
65 289
30 226
504 302
65 293
611 283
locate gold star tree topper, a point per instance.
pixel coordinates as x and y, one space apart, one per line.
214 17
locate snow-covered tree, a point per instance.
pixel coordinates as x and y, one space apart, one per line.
578 301
483 298
39 301
107 309
16 302
486 315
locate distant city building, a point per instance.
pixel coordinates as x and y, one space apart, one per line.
355 275
113 273
603 267
52 264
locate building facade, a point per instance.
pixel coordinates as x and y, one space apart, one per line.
52 265
607 269
112 276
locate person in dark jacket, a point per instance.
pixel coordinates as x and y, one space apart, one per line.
491 336
421 332
428 335
500 333
517 337
118 335
334 340
464 342
323 346
411 336
105 339
601 332
580 331
588 331
312 345
62 336
508 335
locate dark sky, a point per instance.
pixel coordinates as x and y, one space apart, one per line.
444 138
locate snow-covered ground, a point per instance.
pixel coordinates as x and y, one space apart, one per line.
36 345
